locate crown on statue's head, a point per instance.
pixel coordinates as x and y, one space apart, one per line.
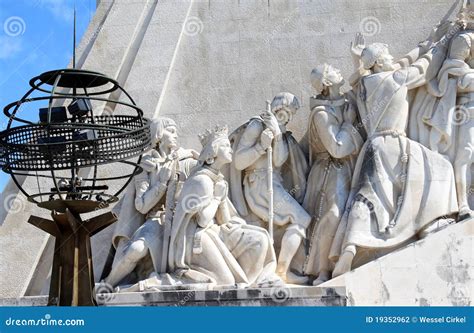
219 132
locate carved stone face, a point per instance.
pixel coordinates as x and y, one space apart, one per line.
385 61
224 151
169 139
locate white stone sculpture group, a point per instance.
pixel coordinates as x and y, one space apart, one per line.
380 165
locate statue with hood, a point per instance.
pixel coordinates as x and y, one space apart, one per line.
334 142
399 187
250 185
141 235
210 243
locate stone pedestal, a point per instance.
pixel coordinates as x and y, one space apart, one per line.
278 296
434 271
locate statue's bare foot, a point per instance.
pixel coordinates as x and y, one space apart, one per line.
292 278
344 264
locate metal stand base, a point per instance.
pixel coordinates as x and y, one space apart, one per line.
72 275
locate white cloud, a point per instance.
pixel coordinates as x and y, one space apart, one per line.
9 47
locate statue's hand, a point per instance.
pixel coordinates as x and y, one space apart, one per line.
220 190
266 138
271 122
165 172
358 45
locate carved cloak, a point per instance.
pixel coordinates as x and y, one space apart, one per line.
403 185
229 239
133 224
294 171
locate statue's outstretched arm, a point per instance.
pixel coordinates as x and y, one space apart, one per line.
357 46
425 68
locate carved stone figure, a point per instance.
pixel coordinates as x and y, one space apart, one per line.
210 243
399 186
333 143
368 184
443 110
289 169
140 232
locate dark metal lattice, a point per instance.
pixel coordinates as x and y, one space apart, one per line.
117 138
76 142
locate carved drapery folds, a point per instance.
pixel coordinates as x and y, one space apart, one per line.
387 162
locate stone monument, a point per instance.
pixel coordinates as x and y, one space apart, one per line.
303 199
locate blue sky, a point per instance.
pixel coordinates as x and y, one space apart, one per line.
35 36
